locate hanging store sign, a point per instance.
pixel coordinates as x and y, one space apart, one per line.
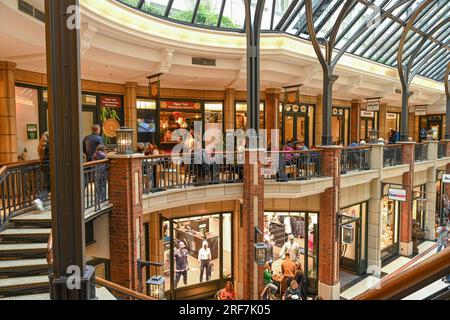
367 114
110 102
446 178
373 105
422 111
397 194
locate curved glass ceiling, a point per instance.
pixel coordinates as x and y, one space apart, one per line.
379 44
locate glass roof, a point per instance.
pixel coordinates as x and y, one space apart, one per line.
379 44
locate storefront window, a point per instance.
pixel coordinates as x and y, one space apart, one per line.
202 250
213 121
435 123
353 238
393 121
241 115
177 115
369 122
390 215
304 227
419 205
146 119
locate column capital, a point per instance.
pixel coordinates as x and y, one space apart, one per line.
230 91
131 85
7 65
273 90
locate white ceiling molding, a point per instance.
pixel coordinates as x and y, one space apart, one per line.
166 61
354 83
87 34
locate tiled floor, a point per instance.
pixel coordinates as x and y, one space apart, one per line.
427 291
426 250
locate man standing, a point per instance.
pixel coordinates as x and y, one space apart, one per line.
181 263
442 238
91 142
290 247
204 256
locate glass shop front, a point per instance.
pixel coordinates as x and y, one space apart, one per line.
304 227
390 228
353 238
197 255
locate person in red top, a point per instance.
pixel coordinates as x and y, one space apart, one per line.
228 292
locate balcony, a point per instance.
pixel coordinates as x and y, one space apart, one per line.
355 159
421 152
392 155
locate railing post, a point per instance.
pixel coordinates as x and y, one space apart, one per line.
432 149
377 156
329 285
125 220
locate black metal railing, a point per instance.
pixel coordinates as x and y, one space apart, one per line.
20 184
161 173
392 155
297 165
96 177
421 152
355 159
442 150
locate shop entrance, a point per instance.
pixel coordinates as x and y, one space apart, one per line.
296 128
298 124
390 228
433 123
304 227
353 239
340 126
369 122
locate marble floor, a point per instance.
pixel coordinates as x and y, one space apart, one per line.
426 250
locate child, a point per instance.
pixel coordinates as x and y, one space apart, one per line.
100 153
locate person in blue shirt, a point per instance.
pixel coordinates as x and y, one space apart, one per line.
394 136
423 134
91 142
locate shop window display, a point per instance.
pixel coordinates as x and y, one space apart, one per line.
390 214
241 115
295 233
201 249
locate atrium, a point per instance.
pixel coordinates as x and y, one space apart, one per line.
224 149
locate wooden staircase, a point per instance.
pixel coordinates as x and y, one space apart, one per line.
23 264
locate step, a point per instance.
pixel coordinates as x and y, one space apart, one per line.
23 285
33 218
31 297
35 234
24 267
23 250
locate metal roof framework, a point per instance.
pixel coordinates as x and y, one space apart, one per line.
379 44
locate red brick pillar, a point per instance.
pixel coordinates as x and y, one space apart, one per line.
329 285
355 118
125 219
253 215
447 147
406 246
272 109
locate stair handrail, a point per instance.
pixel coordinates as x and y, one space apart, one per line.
122 290
411 280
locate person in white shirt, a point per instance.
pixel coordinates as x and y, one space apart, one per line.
204 256
292 248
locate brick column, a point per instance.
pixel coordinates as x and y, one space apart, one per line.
329 285
253 215
272 109
432 151
125 220
130 109
355 118
406 245
229 109
318 118
8 131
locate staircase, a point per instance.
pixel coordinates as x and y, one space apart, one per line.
23 263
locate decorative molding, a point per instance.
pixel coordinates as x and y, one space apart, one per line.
88 32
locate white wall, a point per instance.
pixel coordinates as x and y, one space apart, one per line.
100 249
27 112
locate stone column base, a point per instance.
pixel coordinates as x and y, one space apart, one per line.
406 249
374 267
330 292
